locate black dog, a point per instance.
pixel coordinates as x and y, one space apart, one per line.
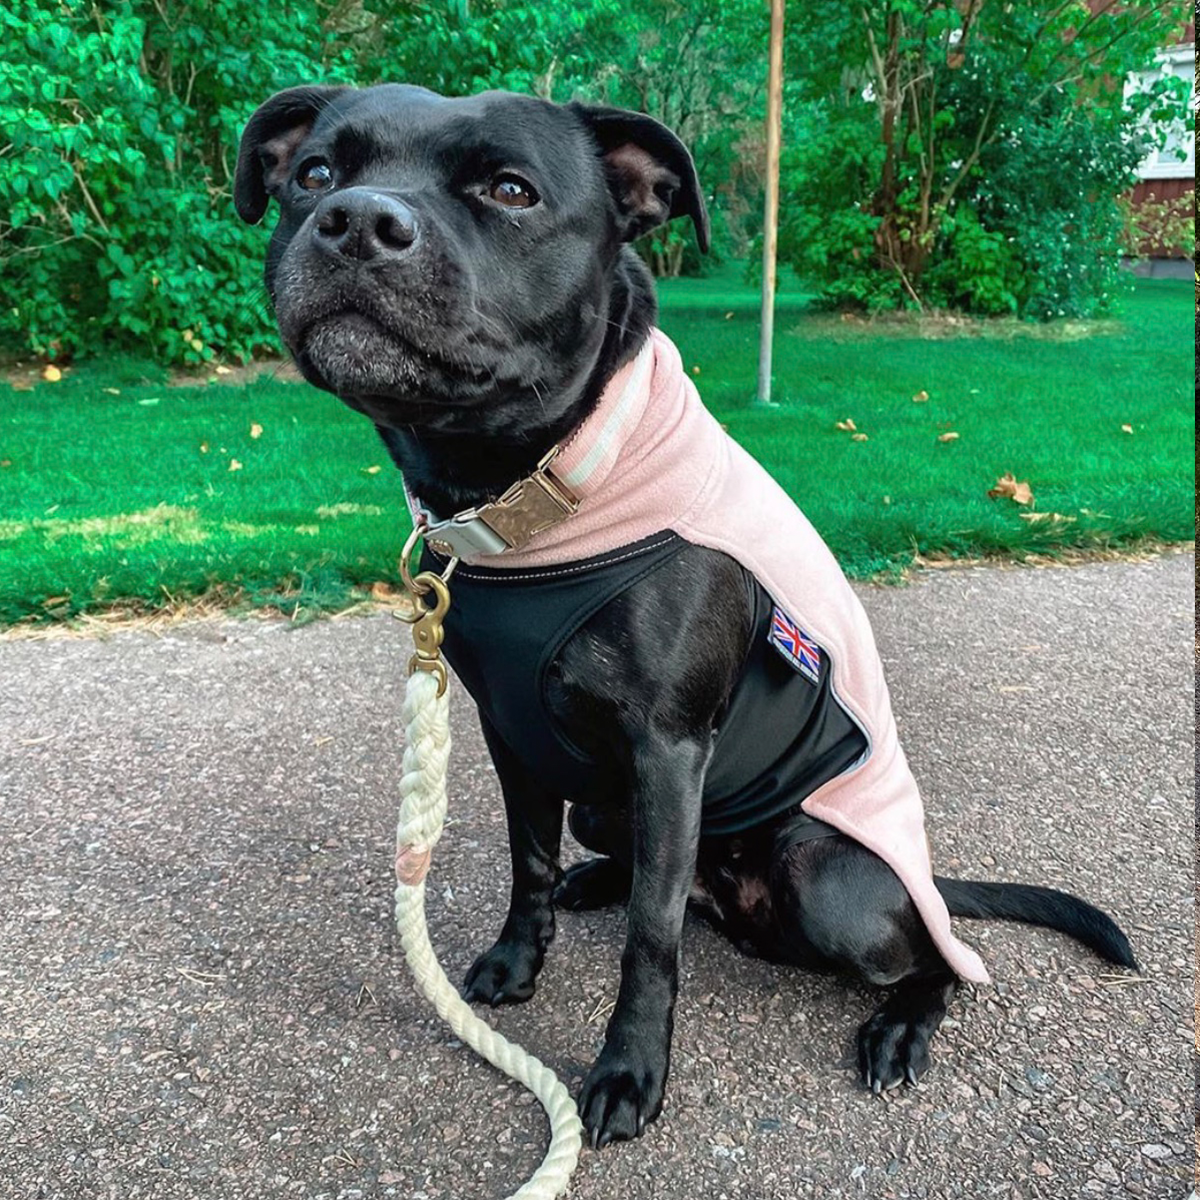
458 270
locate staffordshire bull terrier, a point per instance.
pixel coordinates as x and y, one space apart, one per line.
651 630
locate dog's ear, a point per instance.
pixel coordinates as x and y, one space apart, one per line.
650 172
268 143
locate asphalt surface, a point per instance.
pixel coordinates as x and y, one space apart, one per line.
201 994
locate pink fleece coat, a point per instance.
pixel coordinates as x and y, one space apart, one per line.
651 457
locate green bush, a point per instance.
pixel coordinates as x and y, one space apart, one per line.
979 270
970 156
827 173
1035 229
119 125
122 122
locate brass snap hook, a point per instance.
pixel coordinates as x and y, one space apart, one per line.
426 617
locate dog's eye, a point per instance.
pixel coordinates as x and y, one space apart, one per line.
513 192
315 175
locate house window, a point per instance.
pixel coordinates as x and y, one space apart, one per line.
1176 159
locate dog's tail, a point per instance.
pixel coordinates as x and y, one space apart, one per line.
1039 906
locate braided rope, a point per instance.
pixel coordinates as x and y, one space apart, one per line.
422 813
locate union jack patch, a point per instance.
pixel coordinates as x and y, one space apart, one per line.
795 645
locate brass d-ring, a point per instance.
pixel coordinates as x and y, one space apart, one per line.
413 582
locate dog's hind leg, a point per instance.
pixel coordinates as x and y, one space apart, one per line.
839 905
604 881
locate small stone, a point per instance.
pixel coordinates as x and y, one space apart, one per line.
1156 1150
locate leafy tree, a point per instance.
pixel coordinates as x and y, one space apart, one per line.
969 152
696 66
119 123
118 132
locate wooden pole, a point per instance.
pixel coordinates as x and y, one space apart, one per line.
771 210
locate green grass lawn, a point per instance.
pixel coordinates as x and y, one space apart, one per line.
114 488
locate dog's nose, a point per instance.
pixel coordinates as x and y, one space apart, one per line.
362 223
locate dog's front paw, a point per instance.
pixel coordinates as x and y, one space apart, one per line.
892 1049
622 1094
504 975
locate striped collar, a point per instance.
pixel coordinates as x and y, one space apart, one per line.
563 479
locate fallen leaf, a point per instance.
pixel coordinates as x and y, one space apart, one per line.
381 590
5 462
729 316
222 369
372 470
1008 486
1126 428
203 447
695 370
112 391
234 465
150 400
858 437
887 499
948 437
921 397
51 374
847 424
256 431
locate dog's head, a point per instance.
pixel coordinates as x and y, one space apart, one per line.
436 256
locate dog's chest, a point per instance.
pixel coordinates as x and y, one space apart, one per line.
779 737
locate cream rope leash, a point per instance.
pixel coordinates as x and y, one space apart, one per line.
422 814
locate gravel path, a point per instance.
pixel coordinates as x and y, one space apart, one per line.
201 994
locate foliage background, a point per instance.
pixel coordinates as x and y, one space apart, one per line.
120 124
975 151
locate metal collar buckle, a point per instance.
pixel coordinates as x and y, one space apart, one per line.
529 507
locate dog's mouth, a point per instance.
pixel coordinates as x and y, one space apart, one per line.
379 371
353 354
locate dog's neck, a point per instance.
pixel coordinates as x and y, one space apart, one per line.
454 472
